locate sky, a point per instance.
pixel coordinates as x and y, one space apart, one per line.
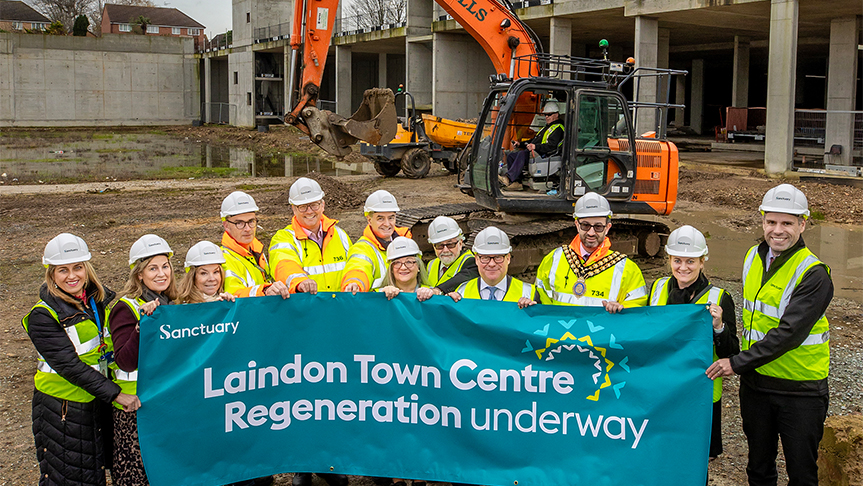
215 15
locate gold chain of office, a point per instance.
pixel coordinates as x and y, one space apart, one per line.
585 272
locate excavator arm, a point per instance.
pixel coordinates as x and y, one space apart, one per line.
493 24
374 122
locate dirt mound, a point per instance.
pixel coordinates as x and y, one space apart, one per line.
339 195
840 458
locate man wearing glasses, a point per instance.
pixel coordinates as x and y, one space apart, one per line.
309 254
587 272
492 249
245 264
545 144
453 265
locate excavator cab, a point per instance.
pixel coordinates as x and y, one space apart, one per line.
599 152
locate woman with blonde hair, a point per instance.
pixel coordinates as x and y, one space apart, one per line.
150 284
205 277
687 253
72 384
405 270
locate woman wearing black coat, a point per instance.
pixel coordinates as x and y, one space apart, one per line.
73 384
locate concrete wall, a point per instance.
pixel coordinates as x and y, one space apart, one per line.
461 70
86 81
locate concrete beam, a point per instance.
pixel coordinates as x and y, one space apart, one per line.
344 81
781 83
208 88
646 55
740 75
696 95
560 37
841 88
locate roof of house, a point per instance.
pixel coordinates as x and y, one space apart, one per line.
21 12
170 17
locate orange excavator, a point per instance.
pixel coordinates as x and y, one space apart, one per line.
600 151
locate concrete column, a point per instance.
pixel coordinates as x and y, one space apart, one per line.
646 54
382 71
841 89
344 80
663 94
740 81
418 51
560 37
781 81
696 95
680 98
208 89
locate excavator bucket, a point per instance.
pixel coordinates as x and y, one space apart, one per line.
374 122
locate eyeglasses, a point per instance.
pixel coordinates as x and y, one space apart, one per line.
252 223
309 207
443 246
485 259
597 228
405 263
549 114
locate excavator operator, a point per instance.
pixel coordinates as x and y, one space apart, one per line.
545 144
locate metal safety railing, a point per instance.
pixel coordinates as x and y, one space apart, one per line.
219 42
215 112
391 17
810 129
273 32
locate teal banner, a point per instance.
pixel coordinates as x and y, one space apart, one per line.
471 392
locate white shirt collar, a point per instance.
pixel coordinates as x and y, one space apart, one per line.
500 285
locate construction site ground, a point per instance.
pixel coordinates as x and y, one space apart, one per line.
722 191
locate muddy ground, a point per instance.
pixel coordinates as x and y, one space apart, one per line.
110 216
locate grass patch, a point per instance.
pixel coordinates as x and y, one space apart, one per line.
817 215
103 136
116 150
186 172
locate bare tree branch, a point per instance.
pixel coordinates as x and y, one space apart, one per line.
375 13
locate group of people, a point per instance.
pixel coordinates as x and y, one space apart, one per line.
87 341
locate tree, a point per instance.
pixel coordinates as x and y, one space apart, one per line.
140 23
375 13
82 23
63 11
56 28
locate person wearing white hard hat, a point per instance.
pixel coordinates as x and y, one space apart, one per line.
204 280
454 264
493 255
150 284
546 143
587 272
405 270
309 254
366 266
785 359
687 252
73 387
246 268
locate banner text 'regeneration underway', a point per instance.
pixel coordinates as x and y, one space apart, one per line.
473 392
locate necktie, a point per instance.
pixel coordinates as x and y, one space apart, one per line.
491 293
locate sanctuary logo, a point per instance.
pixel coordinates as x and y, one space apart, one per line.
165 331
597 346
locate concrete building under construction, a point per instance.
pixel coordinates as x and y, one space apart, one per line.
794 65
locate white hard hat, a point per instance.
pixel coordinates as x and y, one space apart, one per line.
785 198
443 228
65 248
591 205
491 241
203 253
147 246
305 191
686 241
238 202
401 247
380 202
551 107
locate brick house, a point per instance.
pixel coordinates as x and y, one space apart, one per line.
18 16
119 19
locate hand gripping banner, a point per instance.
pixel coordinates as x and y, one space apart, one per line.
471 392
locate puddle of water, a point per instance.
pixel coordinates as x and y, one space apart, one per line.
839 247
143 155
